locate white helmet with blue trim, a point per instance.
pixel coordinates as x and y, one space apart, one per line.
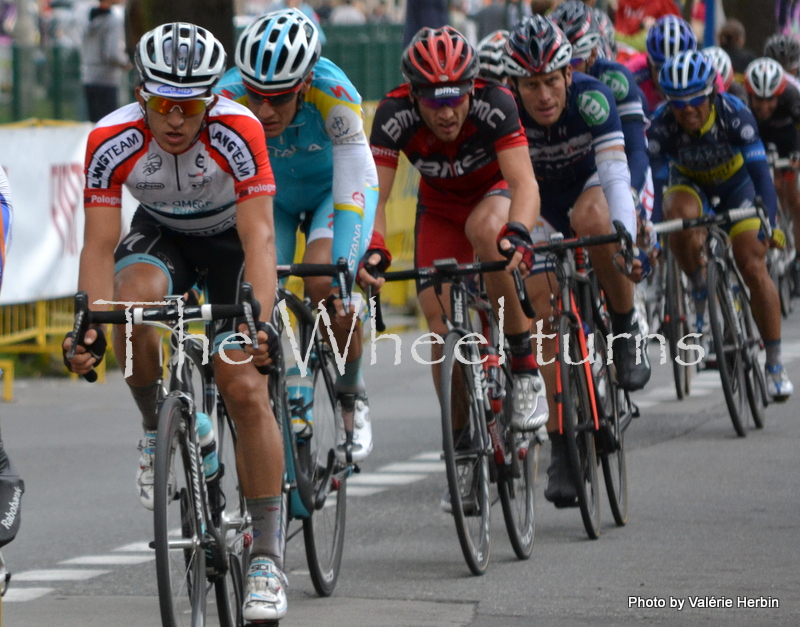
278 50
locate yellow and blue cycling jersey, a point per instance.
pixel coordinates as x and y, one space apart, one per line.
324 171
726 158
5 219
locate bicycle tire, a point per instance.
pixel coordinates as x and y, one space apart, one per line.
465 455
614 409
728 344
180 563
578 427
516 480
676 318
755 379
323 531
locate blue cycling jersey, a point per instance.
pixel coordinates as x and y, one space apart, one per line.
322 166
5 219
723 156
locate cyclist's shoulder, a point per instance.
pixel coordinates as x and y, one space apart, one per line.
617 78
330 86
231 86
126 127
396 119
493 110
591 101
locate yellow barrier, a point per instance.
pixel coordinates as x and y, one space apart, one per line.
7 368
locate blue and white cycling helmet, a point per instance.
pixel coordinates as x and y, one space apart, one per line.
667 37
687 73
278 50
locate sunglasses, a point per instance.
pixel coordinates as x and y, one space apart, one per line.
681 103
274 99
165 106
438 103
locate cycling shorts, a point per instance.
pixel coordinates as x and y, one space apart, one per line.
440 235
740 193
217 261
557 205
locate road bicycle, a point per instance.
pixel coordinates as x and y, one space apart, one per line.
475 389
679 314
736 340
315 481
202 527
593 411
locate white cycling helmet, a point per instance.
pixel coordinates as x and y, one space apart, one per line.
722 62
490 54
765 78
278 50
179 59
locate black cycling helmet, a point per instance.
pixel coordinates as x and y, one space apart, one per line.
785 49
537 46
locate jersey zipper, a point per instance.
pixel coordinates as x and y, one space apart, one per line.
177 174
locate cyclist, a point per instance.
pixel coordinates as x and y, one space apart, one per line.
5 219
490 56
711 141
785 49
577 148
198 166
311 115
775 103
724 66
463 135
666 38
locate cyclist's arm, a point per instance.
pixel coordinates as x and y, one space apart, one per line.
755 160
615 178
386 176
256 229
633 128
515 165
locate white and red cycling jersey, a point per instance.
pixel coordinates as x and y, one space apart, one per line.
194 192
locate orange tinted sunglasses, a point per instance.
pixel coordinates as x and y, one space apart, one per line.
165 106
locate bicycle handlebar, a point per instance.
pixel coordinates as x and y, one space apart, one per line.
340 271
722 217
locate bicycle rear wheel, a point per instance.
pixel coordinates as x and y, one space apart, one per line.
676 322
755 379
728 344
578 427
323 532
179 519
465 455
516 478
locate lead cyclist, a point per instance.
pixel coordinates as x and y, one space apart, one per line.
198 166
326 177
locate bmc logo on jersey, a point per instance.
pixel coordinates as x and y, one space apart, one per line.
594 107
617 83
234 148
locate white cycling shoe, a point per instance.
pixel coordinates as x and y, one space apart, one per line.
778 385
530 402
265 592
357 406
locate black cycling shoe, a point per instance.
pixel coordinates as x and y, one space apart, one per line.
630 375
560 488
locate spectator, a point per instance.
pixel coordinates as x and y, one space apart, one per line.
490 18
307 10
103 58
731 39
635 17
347 13
422 13
380 15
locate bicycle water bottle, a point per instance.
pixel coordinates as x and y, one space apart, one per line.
208 446
301 399
491 366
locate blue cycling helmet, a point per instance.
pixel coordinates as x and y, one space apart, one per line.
687 73
667 37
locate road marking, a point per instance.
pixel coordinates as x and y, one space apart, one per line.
384 478
358 490
55 574
18 595
136 547
109 560
420 466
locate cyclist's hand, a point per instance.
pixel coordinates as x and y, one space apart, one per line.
87 354
339 314
514 243
269 344
778 239
373 260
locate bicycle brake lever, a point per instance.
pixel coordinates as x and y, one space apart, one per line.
82 320
522 294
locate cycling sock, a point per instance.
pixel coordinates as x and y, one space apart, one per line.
522 359
773 348
146 398
351 382
622 322
266 515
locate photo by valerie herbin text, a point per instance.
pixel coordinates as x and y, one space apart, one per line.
703 602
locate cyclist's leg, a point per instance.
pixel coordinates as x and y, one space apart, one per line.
482 227
789 194
590 216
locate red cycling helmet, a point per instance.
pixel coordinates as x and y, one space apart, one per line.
439 56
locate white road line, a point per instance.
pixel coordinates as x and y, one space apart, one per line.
429 456
138 547
421 466
384 479
59 574
109 560
358 490
18 595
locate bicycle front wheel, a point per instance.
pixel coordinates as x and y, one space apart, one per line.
578 426
179 519
323 532
728 344
465 455
676 322
755 379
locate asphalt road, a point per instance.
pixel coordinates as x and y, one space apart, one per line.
711 515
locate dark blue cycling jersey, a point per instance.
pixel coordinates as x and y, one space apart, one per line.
633 112
723 158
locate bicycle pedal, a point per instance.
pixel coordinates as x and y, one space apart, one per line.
356 468
635 412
